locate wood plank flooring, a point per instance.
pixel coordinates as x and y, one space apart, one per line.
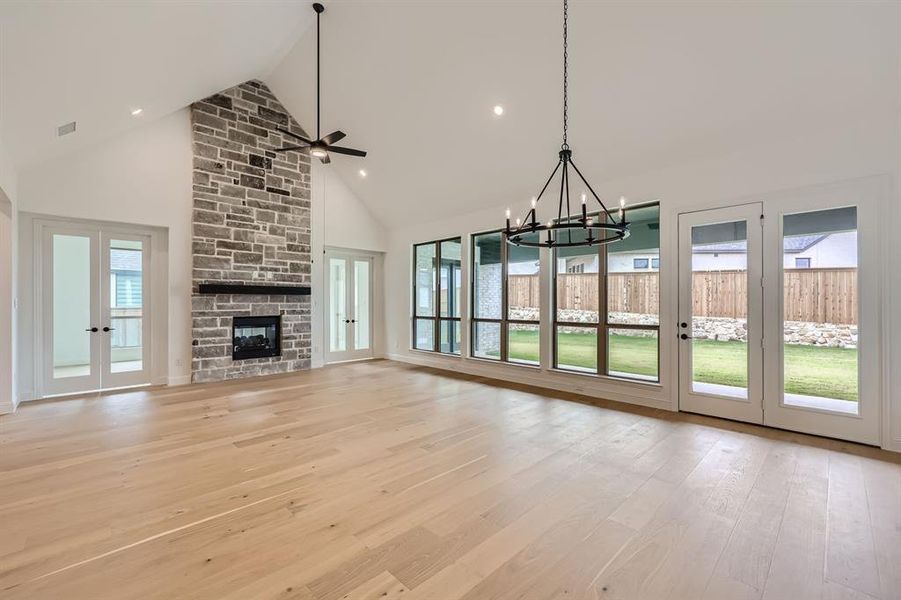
378 480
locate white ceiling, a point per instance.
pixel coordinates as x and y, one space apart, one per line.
652 84
92 62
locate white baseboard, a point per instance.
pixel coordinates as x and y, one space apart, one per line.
650 395
179 380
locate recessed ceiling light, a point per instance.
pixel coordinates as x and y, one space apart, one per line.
136 111
498 109
362 173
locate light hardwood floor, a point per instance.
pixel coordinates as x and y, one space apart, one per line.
376 480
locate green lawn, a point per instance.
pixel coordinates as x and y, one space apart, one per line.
809 370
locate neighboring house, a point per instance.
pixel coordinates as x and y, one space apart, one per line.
831 250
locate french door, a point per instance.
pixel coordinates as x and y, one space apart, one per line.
349 306
95 307
720 326
779 314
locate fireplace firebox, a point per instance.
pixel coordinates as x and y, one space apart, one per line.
256 337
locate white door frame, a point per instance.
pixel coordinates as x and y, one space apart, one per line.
865 426
870 196
155 276
749 409
350 325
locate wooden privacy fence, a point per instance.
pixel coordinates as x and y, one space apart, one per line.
811 295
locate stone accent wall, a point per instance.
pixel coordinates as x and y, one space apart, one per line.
832 335
251 224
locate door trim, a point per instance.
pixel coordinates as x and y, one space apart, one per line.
32 227
350 354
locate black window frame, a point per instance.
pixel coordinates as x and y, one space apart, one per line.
504 321
437 320
603 326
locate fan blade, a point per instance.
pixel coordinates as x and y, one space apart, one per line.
289 148
325 159
294 135
333 137
350 151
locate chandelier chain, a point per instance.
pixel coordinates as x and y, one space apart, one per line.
565 70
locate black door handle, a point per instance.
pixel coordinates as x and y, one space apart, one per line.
92 330
347 320
353 320
109 329
685 336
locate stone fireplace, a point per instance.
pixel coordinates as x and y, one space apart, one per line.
251 238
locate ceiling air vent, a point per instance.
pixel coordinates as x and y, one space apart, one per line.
65 129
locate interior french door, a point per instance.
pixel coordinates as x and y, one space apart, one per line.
349 306
720 326
779 313
95 305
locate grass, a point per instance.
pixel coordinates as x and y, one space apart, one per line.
809 370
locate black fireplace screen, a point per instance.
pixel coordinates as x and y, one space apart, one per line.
255 337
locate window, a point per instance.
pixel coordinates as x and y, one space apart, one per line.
820 311
607 315
437 281
505 300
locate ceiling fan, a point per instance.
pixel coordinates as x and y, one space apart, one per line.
321 146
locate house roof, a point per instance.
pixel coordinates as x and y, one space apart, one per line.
790 245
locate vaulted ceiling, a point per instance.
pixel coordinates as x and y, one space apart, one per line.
653 84
93 62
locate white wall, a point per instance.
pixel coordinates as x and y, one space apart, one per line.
8 287
859 148
142 177
341 221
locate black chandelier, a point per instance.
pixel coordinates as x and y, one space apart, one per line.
568 230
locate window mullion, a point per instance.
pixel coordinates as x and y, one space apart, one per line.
602 311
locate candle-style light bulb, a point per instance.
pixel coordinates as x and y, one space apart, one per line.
508 220
508 213
622 202
584 197
534 201
534 211
518 222
584 208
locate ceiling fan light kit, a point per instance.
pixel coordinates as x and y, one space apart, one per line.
321 147
568 229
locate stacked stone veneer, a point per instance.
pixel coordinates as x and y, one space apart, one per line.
251 225
832 335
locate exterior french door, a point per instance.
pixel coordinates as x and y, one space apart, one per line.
779 313
95 304
349 306
720 326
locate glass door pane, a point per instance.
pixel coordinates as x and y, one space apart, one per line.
820 310
126 305
361 305
719 309
71 298
337 308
